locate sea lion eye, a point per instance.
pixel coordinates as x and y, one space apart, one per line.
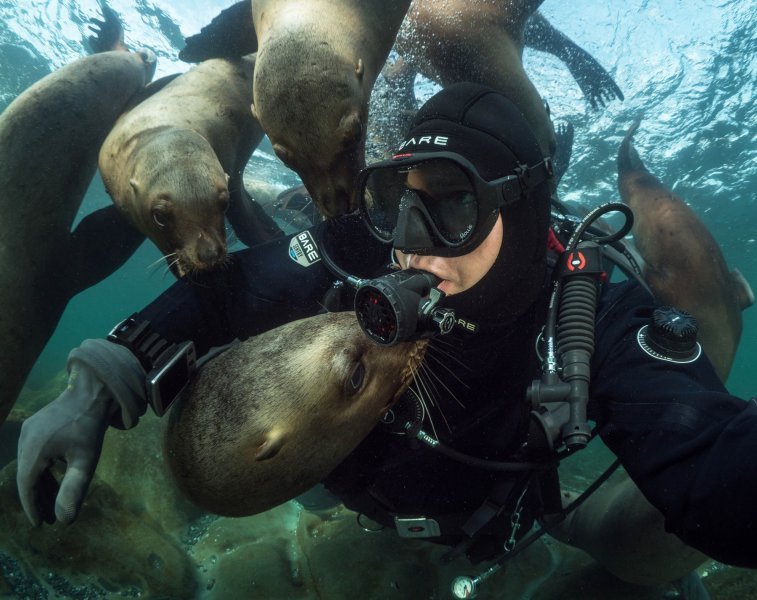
356 379
223 201
160 218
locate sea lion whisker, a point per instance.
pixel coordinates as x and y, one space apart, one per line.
444 385
153 266
429 382
450 352
447 368
424 384
170 264
421 386
419 393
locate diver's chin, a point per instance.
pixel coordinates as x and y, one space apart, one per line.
447 287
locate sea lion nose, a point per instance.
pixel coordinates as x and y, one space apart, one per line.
209 251
337 202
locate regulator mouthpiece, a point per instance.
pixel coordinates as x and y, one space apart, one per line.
402 306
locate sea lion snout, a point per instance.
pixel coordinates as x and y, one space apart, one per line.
202 252
336 199
334 187
209 250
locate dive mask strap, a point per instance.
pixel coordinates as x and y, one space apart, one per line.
526 180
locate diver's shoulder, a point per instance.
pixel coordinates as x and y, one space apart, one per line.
623 297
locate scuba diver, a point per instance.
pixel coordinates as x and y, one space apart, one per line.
530 345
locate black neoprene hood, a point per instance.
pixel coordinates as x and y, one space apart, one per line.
487 129
475 122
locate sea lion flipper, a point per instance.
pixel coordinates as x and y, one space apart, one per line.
109 33
564 134
742 290
628 157
230 35
595 82
251 224
104 228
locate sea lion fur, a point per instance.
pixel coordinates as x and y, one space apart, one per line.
271 417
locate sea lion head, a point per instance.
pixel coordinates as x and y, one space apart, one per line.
270 418
325 142
179 196
149 63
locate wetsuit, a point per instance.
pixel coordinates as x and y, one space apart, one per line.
684 440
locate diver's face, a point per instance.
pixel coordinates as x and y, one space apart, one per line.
458 273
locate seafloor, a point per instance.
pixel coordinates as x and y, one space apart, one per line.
137 538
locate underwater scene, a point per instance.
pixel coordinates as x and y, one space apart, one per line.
676 78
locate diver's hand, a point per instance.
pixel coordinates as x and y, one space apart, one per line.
70 429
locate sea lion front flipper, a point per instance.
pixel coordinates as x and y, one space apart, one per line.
101 243
250 222
230 35
595 82
742 290
628 158
109 33
563 150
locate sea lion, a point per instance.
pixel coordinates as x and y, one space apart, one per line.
239 443
323 156
479 41
393 103
595 82
317 63
231 34
49 139
173 164
684 265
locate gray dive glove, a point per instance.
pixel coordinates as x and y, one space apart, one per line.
106 386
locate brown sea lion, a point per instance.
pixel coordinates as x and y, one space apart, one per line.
231 34
49 139
684 265
479 41
393 103
595 82
173 165
317 63
248 436
325 142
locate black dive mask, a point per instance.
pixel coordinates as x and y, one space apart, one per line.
436 203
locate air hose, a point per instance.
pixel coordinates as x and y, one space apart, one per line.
569 335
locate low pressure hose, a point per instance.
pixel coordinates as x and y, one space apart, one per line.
575 345
569 336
